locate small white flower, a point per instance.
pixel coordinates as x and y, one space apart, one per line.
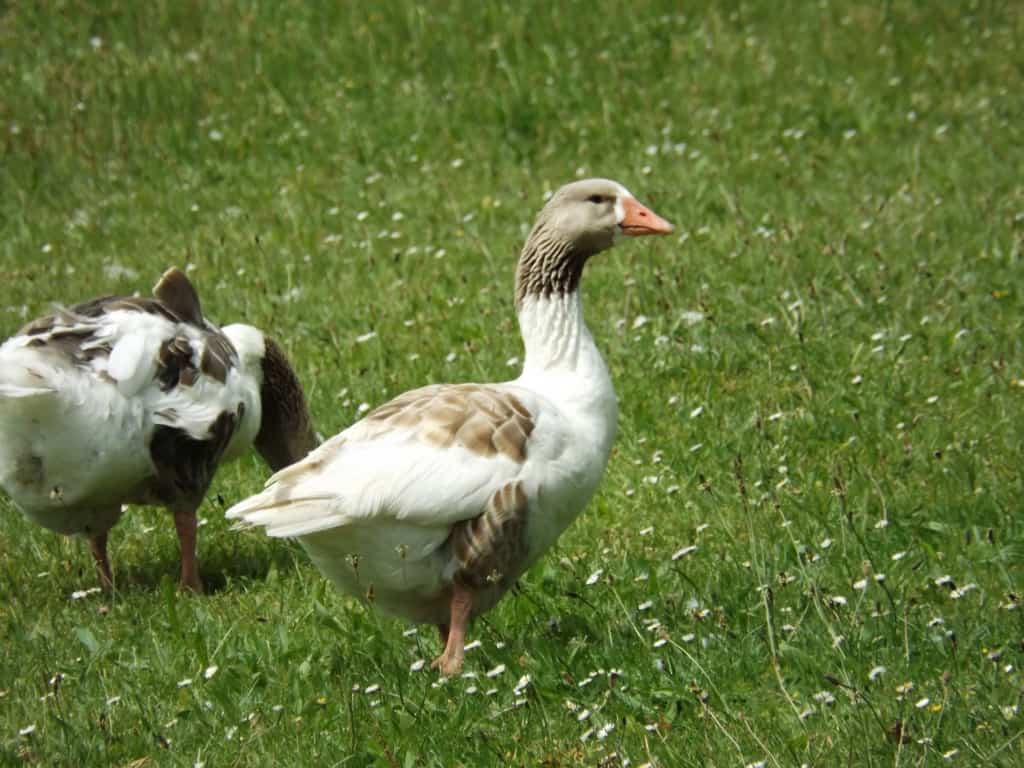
472 646
899 556
450 357
185 683
362 339
860 585
640 321
647 531
922 703
876 672
837 600
943 581
932 400
417 665
457 162
956 594
96 42
585 714
684 552
593 578
216 135
824 697
646 605
113 700
496 671
512 362
27 730
371 689
210 671
363 408
696 411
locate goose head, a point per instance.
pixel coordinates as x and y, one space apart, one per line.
580 220
286 432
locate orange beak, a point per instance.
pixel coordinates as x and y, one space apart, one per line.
639 220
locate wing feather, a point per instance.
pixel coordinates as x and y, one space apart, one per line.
410 461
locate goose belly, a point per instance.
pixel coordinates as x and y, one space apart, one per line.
399 569
69 459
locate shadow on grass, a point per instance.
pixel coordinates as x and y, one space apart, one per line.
220 566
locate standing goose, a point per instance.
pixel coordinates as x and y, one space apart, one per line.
127 399
432 505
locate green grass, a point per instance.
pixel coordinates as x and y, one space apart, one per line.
846 183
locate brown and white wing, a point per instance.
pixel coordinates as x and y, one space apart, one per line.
432 457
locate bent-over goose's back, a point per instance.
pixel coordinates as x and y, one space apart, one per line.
125 399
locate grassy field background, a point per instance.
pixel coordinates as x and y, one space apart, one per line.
808 546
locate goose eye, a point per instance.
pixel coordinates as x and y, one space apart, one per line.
597 199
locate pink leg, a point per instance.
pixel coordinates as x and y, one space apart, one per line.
98 545
450 662
186 525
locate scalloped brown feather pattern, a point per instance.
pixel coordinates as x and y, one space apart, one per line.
490 548
481 419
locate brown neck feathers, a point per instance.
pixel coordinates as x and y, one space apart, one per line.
286 431
548 264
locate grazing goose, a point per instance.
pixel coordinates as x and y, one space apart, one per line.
432 505
126 399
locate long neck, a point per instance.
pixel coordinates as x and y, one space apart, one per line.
548 300
554 332
286 431
563 362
